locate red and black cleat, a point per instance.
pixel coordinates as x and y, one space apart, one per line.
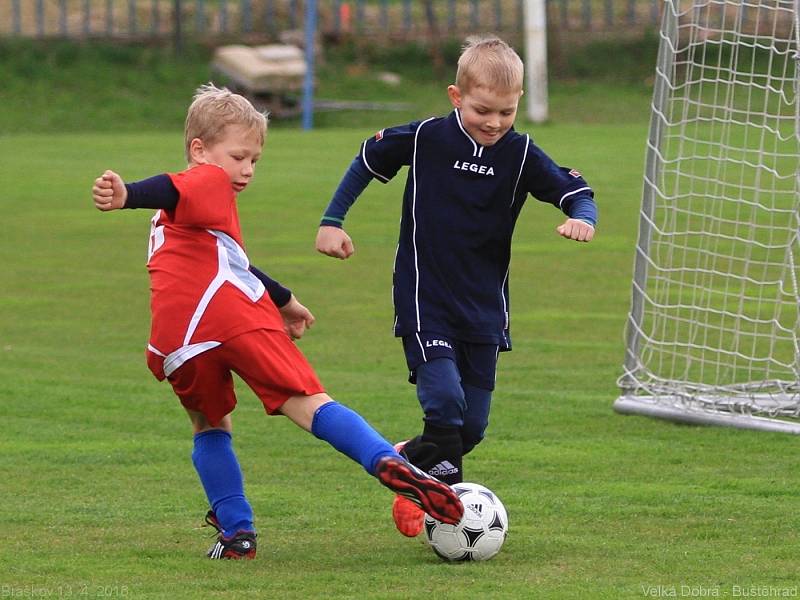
241 546
431 495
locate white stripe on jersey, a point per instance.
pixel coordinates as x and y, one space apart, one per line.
201 307
421 347
414 219
383 178
475 151
155 350
233 267
508 266
176 359
521 166
583 189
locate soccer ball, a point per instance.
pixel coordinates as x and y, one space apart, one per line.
480 533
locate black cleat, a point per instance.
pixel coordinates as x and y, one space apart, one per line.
431 495
240 546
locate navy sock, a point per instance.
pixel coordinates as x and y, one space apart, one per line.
350 434
218 468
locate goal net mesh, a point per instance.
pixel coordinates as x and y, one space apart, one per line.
715 311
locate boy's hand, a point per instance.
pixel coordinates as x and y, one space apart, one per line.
296 318
575 229
335 242
108 192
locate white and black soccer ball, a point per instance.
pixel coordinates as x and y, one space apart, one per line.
480 533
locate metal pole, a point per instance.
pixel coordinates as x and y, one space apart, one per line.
40 18
16 17
178 26
660 104
62 18
132 17
536 60
308 85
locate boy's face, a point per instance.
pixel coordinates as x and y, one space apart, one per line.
236 152
485 113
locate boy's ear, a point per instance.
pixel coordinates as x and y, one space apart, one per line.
455 95
197 151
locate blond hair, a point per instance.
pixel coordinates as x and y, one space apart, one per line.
215 108
487 61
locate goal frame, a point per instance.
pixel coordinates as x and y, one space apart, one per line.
671 407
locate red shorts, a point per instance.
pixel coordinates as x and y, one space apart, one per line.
268 361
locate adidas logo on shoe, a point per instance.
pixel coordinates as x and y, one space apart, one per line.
240 546
443 468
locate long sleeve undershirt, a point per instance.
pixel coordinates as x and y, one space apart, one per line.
355 181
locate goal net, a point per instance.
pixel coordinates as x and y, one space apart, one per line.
712 334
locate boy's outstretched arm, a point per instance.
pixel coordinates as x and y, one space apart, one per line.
108 192
332 239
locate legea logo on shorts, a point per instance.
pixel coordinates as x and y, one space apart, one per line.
432 343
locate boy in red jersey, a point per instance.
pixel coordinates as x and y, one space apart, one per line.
214 314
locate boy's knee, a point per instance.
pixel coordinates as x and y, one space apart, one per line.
200 422
476 419
301 409
440 393
471 437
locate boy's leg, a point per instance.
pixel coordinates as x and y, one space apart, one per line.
477 364
271 364
438 450
205 387
218 468
350 434
340 426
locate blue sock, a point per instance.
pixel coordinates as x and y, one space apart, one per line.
218 468
350 434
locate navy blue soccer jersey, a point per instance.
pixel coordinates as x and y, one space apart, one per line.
460 206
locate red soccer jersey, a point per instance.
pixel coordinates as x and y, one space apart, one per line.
202 292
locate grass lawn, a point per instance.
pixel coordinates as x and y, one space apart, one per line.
98 496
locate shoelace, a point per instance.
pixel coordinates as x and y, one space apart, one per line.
211 520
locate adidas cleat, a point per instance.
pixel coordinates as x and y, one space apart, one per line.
431 495
238 547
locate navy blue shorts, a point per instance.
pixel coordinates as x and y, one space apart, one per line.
477 363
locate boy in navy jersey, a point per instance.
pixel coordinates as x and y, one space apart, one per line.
213 314
469 175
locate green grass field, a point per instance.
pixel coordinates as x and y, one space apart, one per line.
98 496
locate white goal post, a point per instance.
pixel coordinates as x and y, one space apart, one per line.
536 95
713 334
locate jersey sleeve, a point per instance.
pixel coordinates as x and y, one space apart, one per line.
205 197
388 150
549 182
